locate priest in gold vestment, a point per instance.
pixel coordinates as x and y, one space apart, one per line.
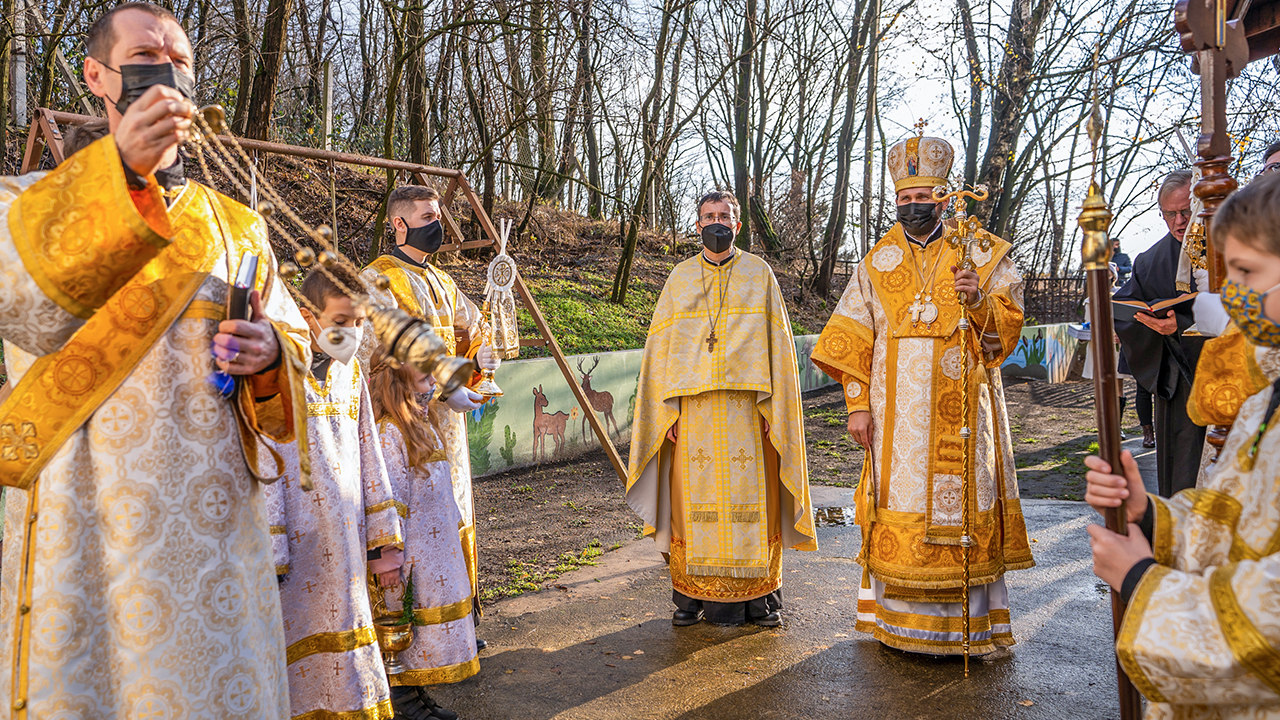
424 290
894 344
717 467
137 573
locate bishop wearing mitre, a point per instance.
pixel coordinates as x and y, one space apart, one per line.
895 345
718 470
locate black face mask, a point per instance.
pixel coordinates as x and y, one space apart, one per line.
136 79
425 239
717 237
918 219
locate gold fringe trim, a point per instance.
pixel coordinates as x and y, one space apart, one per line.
1252 649
334 642
933 647
1162 535
704 516
909 594
437 676
380 507
1133 617
381 711
721 571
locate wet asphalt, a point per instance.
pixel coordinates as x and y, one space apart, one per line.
600 645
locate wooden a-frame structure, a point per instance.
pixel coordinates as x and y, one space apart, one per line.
45 133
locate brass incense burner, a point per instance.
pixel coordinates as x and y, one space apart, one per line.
394 637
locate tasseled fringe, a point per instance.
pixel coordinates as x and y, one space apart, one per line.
704 516
721 571
744 516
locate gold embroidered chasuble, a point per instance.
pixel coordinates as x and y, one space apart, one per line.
320 540
429 293
444 634
727 497
1201 637
1226 375
908 375
137 574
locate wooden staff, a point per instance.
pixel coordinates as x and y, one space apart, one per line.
1095 218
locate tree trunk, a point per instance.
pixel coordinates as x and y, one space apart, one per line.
389 127
416 71
274 32
474 100
244 48
741 119
834 232
6 86
540 86
1006 110
595 200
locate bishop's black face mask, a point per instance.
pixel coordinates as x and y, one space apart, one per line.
918 219
717 237
137 79
425 239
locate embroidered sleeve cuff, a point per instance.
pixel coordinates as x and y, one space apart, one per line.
856 397
1134 576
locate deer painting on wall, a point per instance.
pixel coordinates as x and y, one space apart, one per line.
545 424
601 402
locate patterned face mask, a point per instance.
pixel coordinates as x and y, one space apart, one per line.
1244 305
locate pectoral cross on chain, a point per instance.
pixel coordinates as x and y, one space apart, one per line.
711 341
915 308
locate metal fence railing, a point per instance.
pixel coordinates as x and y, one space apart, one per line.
1053 299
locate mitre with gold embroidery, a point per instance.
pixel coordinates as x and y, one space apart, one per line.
920 162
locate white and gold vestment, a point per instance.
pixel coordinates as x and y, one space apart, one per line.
320 540
1201 637
444 633
907 373
137 574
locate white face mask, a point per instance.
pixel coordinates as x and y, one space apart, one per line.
346 349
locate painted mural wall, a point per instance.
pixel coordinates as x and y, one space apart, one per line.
538 419
1044 352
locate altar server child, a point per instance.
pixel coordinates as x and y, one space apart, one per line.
444 644
322 538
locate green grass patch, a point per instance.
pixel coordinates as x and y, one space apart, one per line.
525 577
582 318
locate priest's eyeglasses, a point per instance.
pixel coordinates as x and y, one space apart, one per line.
1171 214
709 218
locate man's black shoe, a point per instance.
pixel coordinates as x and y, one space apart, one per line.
406 705
773 619
434 707
681 618
481 644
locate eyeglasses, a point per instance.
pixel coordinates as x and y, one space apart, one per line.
1269 167
1171 214
725 218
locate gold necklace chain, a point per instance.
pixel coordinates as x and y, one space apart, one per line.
706 294
926 285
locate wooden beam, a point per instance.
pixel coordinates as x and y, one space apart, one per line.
44 132
606 441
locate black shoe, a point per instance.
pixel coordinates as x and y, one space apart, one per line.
1148 436
434 708
406 705
681 618
773 619
481 644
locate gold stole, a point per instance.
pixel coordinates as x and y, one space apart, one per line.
397 272
62 390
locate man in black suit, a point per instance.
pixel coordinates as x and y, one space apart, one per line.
1161 359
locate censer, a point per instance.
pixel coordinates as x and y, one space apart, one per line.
409 340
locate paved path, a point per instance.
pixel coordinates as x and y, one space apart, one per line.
600 644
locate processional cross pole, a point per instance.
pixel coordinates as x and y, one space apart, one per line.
964 237
1095 219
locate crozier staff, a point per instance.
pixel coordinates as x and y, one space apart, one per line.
894 343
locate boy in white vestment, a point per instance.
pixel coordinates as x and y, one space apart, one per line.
322 538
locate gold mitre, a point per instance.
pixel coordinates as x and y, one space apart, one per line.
920 162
